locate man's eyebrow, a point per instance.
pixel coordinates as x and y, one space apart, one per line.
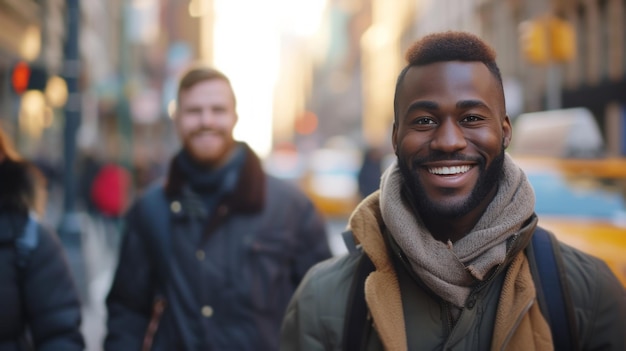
466 104
422 105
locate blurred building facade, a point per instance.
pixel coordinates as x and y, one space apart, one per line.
593 77
352 89
132 68
20 40
339 83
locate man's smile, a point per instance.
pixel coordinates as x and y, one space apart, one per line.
450 174
449 170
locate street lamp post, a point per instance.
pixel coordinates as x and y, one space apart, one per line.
69 227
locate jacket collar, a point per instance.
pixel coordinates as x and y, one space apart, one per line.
382 289
249 193
384 299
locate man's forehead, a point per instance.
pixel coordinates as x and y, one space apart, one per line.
208 90
438 76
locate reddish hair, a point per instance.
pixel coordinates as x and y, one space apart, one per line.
7 150
200 73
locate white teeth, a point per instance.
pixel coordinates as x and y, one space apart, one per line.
449 170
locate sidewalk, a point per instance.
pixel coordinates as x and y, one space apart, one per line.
94 314
99 258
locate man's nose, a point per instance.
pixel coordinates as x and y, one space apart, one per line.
448 137
207 118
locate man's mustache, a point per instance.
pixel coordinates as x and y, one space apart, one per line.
204 130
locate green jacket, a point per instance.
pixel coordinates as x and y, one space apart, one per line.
504 313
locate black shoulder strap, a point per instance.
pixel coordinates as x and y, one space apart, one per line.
348 239
154 212
26 242
154 216
356 312
553 288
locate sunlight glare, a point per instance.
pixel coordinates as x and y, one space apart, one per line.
247 48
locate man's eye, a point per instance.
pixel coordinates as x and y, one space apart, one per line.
190 113
423 120
472 118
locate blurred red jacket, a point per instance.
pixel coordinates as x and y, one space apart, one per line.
110 190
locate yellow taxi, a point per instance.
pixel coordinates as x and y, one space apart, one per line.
331 181
580 191
583 202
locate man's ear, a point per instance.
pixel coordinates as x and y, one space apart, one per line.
507 131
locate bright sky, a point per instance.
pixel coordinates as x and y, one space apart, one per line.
248 50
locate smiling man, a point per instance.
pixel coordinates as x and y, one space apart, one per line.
450 137
444 259
211 256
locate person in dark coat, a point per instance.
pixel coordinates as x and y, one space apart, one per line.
40 308
370 171
210 258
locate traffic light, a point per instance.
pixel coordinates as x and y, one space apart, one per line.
534 41
547 39
28 77
562 40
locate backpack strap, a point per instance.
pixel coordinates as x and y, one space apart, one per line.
552 290
356 313
348 239
154 219
26 242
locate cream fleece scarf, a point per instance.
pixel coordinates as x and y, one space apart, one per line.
451 270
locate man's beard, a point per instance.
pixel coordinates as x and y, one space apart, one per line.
488 179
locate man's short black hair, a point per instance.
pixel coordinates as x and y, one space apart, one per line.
448 46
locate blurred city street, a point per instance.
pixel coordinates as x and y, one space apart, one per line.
90 88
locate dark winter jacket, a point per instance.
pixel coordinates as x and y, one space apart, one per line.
39 293
232 291
404 315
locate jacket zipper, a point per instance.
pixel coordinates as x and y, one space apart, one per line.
472 296
448 312
446 305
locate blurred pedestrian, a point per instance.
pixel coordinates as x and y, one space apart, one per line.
210 258
450 256
89 164
370 171
40 304
111 190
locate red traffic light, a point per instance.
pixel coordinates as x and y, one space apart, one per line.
25 76
20 77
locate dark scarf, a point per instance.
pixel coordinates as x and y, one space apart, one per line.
211 184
